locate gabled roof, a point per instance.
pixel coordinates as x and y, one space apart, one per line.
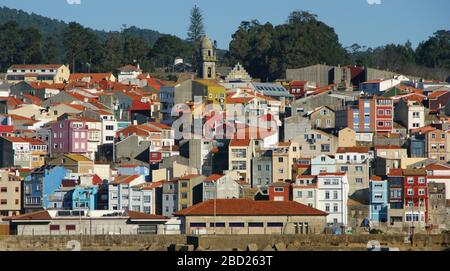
246 207
414 172
40 215
240 143
438 167
125 179
437 94
77 157
35 66
395 172
352 149
213 178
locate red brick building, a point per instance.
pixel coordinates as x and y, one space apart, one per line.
415 195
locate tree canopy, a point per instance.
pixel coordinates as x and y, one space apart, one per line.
267 50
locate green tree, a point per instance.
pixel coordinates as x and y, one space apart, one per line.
267 51
30 46
112 53
196 32
435 52
136 50
9 44
168 47
50 50
196 28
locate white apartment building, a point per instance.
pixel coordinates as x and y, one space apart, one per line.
332 197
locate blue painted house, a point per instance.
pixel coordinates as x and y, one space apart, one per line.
84 198
378 200
40 185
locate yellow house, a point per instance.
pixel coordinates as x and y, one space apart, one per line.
284 157
211 90
42 73
77 163
39 151
190 190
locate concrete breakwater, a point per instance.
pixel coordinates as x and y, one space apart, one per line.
221 243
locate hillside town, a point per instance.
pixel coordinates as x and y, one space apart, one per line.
326 150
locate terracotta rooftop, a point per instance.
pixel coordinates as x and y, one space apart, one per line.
40 215
437 167
246 207
352 149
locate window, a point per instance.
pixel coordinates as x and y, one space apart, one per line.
109 127
422 180
54 227
410 180
421 192
237 225
3 202
299 194
109 138
310 194
280 159
184 195
359 180
147 199
410 192
279 189
335 208
197 225
184 184
255 224
327 195
4 189
70 227
327 207
217 225
275 224
335 194
358 168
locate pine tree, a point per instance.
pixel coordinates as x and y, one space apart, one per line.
195 34
196 28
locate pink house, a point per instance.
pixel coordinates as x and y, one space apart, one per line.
69 136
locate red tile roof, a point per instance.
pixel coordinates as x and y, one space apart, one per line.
395 172
35 66
437 94
437 167
40 215
125 179
96 180
352 149
246 207
240 143
213 178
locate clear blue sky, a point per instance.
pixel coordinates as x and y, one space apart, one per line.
355 21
